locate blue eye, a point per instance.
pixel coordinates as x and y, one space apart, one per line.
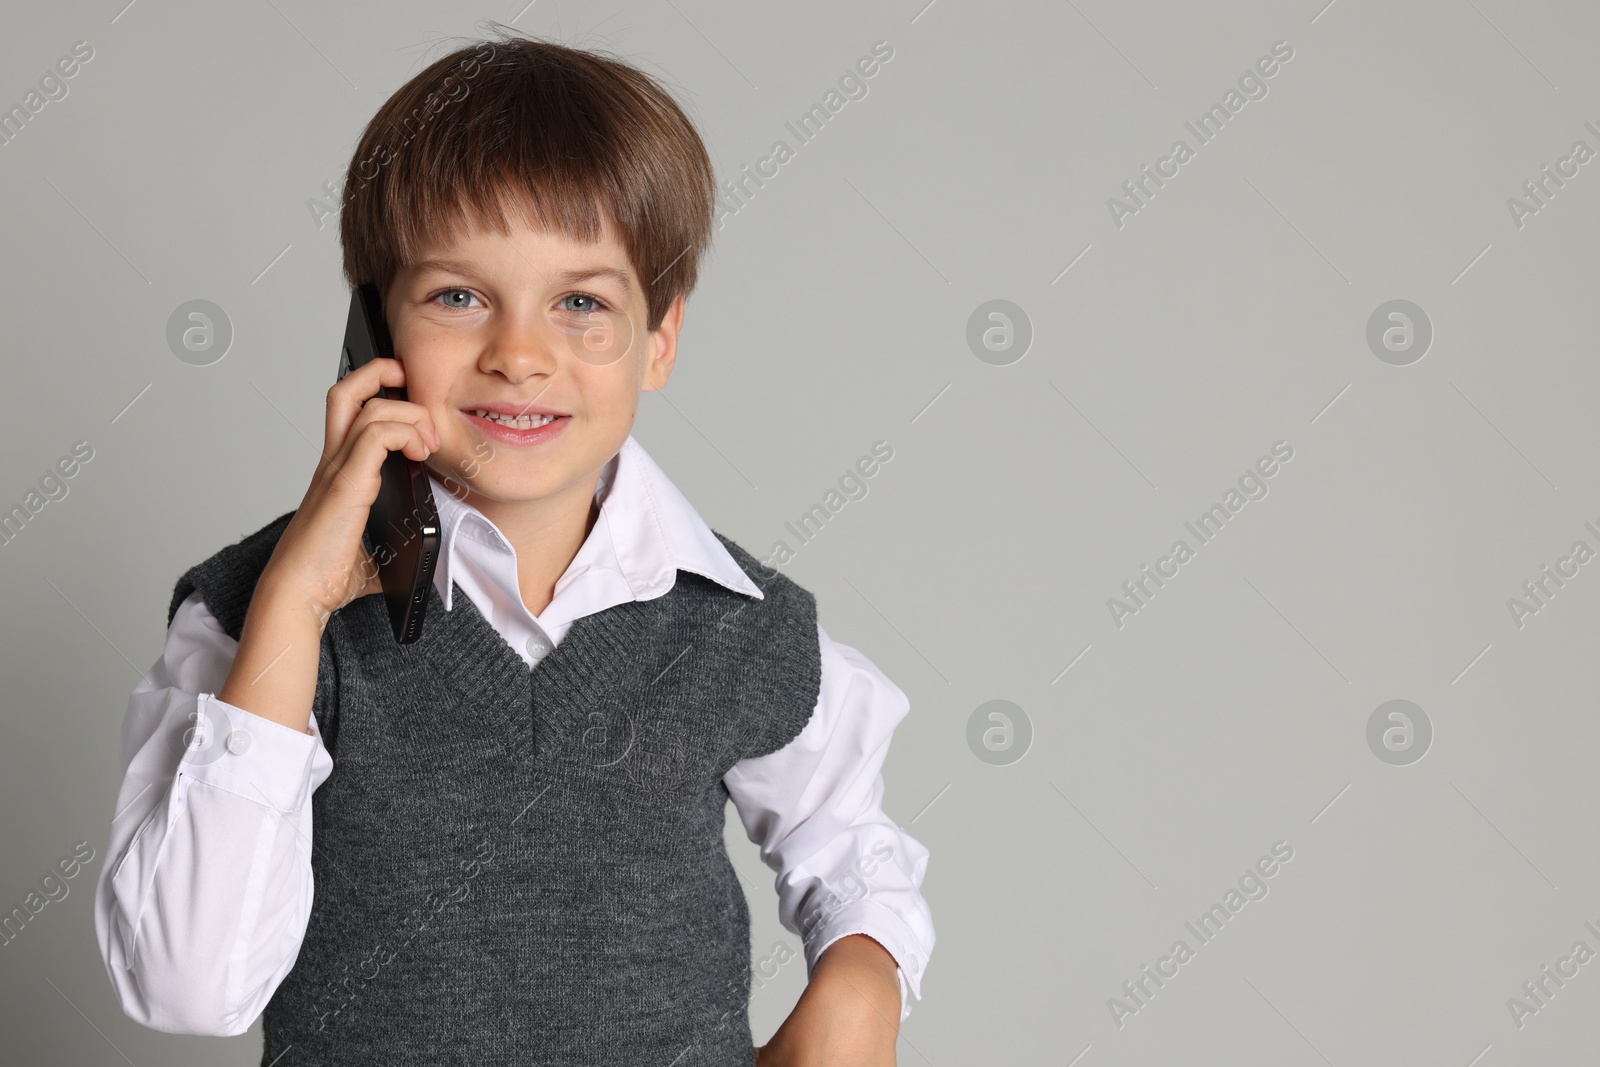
447 296
598 304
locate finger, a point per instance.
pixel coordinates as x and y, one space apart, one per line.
346 396
380 410
357 469
378 438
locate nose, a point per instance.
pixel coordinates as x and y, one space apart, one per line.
520 346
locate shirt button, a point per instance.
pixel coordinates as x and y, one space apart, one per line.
538 646
238 742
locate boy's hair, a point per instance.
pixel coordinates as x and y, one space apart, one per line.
556 133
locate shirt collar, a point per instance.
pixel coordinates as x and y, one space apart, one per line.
646 532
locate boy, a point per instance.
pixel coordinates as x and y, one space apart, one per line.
503 843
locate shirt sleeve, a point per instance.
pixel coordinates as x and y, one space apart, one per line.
204 897
815 809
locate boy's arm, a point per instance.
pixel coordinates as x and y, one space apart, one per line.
846 1016
815 808
206 887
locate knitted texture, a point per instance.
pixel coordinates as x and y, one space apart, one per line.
527 867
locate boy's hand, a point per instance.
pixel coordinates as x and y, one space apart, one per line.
849 1014
320 559
319 564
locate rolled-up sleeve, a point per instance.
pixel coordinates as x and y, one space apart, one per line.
815 808
203 900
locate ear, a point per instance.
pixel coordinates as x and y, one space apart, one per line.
663 354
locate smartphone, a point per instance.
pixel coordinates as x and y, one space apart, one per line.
402 532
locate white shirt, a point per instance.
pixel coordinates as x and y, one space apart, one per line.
204 897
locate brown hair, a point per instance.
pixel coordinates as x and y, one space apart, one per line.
558 133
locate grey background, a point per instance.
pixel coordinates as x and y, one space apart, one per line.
1228 314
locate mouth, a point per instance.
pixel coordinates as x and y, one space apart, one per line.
531 421
514 428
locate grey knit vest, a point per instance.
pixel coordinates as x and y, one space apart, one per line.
527 867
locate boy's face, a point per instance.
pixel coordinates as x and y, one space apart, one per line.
520 324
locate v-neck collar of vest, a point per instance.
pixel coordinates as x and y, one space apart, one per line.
470 654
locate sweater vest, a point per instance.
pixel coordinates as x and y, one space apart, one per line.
527 867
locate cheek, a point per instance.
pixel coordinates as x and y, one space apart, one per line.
433 363
609 389
427 388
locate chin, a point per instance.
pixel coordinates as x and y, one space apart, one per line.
517 491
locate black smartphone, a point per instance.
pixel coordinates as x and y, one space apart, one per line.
402 531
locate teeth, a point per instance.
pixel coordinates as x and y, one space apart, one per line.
518 422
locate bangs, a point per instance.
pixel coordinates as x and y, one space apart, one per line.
524 131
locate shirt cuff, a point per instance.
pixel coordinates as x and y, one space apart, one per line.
886 928
249 755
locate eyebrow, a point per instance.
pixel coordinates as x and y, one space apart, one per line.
570 277
566 277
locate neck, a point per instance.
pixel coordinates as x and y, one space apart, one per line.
545 533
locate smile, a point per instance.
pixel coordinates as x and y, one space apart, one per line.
519 422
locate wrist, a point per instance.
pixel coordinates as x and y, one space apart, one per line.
291 603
